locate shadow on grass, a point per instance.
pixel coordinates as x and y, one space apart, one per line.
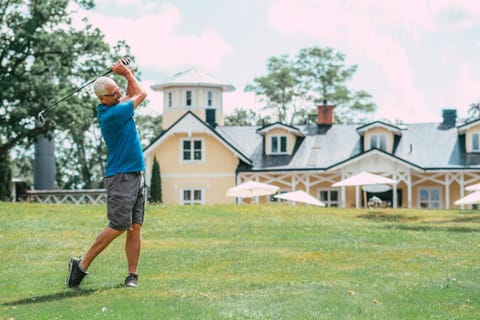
57 296
441 225
475 218
382 216
425 228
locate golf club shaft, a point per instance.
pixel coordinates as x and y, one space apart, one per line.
41 117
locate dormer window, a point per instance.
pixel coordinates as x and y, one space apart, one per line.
278 144
379 135
476 142
378 141
280 139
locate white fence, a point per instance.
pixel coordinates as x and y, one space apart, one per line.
93 196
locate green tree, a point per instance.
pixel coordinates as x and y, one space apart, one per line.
316 75
241 117
473 111
279 89
155 183
43 58
323 76
149 128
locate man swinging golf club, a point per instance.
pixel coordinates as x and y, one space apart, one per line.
123 175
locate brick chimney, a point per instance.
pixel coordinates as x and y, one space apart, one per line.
325 114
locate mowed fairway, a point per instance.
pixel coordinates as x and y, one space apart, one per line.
245 262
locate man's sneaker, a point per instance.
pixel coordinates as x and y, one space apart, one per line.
131 280
75 274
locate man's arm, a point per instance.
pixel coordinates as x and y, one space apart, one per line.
134 90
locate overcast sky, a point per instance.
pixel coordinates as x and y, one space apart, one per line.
415 57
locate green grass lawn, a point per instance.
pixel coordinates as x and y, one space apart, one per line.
245 262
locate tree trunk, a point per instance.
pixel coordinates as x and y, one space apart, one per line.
5 177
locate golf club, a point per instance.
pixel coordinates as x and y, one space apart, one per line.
41 115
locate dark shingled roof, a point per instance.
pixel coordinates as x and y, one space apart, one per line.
425 145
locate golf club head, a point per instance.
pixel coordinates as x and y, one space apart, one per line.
126 60
41 118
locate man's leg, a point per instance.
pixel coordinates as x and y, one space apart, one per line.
103 240
133 246
132 249
77 269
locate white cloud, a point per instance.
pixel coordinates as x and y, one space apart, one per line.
157 45
354 26
454 14
311 18
329 18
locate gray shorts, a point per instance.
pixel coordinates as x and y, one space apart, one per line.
125 200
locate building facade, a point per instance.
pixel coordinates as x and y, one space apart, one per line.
200 158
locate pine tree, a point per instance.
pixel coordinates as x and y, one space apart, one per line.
155 183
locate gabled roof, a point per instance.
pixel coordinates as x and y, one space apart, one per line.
379 124
189 123
192 78
280 125
422 146
464 127
371 152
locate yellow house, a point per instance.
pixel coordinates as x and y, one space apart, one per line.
200 158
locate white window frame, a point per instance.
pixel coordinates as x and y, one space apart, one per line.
209 98
192 151
279 144
329 202
188 98
429 203
378 140
476 141
193 192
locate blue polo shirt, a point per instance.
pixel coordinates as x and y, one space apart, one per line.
124 151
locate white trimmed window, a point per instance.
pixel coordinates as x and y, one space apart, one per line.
170 99
378 141
191 196
329 197
278 144
476 141
188 98
429 198
209 98
192 150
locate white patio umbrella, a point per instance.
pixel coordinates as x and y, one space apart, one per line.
376 188
472 198
364 179
251 189
473 187
300 196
